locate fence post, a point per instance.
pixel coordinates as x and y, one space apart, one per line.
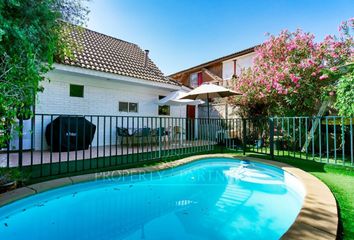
20 142
244 135
160 129
271 137
8 144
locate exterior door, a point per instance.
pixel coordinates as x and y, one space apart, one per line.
190 122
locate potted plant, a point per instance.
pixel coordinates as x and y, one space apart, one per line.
10 178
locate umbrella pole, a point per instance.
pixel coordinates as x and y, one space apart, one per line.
208 106
207 130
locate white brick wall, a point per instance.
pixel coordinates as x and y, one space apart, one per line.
101 97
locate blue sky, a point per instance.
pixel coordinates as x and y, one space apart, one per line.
184 33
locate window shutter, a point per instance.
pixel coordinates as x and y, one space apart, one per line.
200 78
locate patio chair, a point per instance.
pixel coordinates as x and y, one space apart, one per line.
177 133
142 136
142 132
123 134
156 133
159 131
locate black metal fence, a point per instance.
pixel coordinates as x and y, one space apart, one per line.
52 144
324 139
327 139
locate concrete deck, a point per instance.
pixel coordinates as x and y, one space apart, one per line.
38 157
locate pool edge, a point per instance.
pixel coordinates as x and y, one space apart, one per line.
318 217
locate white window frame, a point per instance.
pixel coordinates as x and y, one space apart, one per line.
128 107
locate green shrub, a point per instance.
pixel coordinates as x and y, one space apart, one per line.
345 95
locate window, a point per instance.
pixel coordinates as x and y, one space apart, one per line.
133 107
76 90
128 107
227 70
123 107
165 109
193 80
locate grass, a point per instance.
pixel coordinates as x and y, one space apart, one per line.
339 179
339 159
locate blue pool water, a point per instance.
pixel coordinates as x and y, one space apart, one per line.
215 198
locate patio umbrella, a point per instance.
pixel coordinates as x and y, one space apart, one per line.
208 91
174 98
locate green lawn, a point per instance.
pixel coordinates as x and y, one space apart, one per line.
339 159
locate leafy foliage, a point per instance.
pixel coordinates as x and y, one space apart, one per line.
31 34
345 93
287 76
8 175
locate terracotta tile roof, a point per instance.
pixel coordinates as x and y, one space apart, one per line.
100 52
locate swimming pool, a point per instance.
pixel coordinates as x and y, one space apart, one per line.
214 198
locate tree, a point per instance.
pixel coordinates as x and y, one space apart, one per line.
31 34
287 75
345 75
345 94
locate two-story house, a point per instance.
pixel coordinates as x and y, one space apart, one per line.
219 71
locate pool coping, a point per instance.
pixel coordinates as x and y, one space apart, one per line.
318 217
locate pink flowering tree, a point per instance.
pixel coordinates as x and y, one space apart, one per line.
287 77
